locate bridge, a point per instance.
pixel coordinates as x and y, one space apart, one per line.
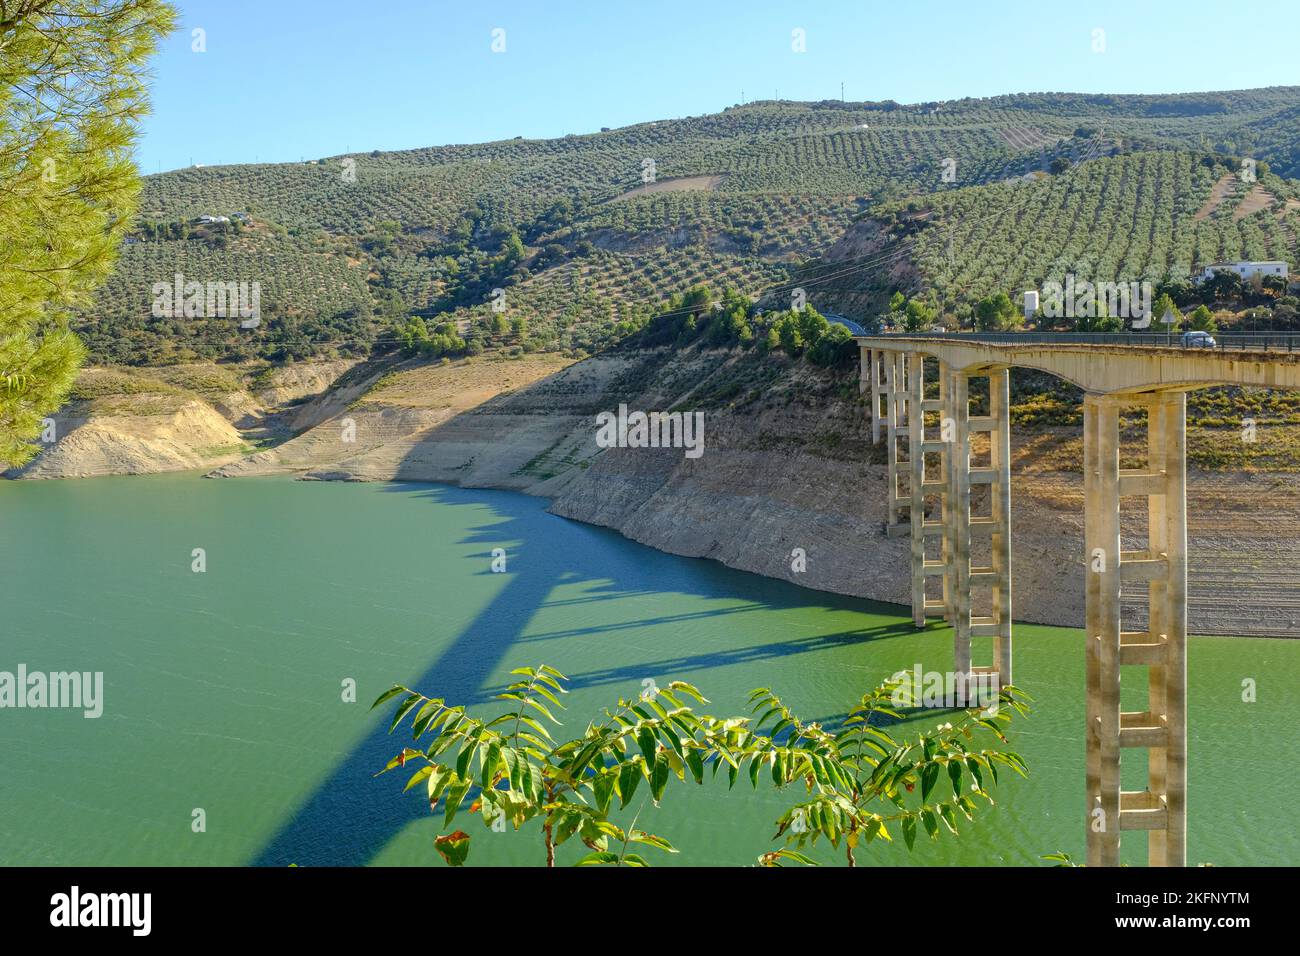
961 561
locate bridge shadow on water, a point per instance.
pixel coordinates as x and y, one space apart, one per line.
347 821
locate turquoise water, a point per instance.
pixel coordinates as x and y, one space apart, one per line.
223 689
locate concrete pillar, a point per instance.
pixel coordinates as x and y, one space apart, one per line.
945 464
877 359
916 482
1168 847
1094 815
1101 503
896 400
959 528
891 436
1161 728
1000 442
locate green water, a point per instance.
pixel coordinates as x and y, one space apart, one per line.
223 690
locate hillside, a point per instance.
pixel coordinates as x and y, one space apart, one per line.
1131 217
588 234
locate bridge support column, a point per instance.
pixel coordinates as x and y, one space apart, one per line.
1000 517
963 575
896 402
1160 729
876 369
925 484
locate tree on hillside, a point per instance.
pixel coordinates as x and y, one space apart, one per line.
1165 305
835 344
791 340
1202 320
1179 289
997 313
918 316
772 341
1224 286
1101 321
812 324
71 93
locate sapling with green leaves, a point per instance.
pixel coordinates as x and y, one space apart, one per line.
513 772
522 774
860 781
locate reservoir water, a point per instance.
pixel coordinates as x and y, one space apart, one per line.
223 690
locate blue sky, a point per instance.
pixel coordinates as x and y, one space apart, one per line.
284 80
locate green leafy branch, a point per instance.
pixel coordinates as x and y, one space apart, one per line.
857 778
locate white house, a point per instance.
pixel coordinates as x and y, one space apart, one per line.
1246 269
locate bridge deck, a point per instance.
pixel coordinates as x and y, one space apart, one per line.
1116 363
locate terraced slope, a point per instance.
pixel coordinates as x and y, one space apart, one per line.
1132 217
342 246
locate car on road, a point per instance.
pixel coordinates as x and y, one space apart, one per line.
1198 340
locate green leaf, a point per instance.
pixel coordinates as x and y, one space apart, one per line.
931 824
438 781
511 757
569 821
490 764
602 787
909 830
464 758
659 777
400 760
774 858
689 689
599 858
929 777
645 738
419 775
456 790
454 847
629 777
389 695
649 839
403 709
695 760
954 775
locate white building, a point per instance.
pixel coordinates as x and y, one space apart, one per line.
1246 269
1031 303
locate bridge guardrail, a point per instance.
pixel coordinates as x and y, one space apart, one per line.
1223 341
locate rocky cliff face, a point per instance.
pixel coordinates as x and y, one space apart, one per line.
174 435
129 421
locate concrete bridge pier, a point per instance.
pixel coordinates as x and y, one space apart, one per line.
1149 378
925 484
938 468
897 411
871 373
1161 728
966 549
